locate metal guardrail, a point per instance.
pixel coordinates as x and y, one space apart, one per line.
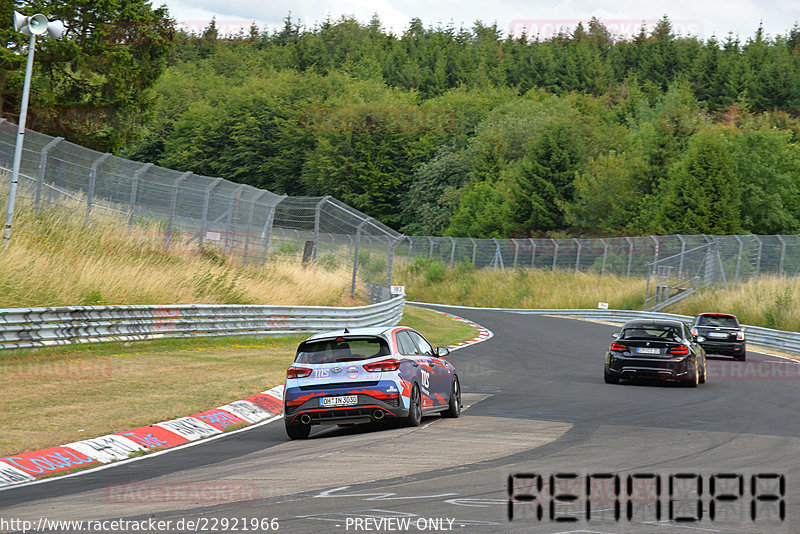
756 335
39 327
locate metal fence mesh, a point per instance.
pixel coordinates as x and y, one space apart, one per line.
260 226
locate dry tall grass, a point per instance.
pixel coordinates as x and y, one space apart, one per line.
53 258
431 281
773 302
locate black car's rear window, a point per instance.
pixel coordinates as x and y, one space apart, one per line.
717 320
651 332
341 349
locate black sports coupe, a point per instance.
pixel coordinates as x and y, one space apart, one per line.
660 349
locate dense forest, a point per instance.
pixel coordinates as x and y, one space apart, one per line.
465 132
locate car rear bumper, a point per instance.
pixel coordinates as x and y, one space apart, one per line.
730 348
368 409
669 370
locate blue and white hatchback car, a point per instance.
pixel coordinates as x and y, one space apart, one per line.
365 375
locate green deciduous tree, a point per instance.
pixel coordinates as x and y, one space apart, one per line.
701 193
93 87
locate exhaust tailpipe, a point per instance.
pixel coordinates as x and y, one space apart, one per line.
305 419
377 415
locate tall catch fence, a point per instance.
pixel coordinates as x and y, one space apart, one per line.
256 225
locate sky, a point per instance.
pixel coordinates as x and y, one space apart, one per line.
702 18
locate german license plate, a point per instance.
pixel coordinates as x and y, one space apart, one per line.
718 334
347 400
648 350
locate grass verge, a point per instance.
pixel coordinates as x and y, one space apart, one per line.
431 281
57 395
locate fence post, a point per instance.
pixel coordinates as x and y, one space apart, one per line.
173 206
578 257
783 254
92 179
655 255
738 259
204 221
452 251
721 266
134 187
630 254
516 251
533 253
266 233
42 169
235 196
250 222
605 254
758 259
317 210
390 259
355 256
474 250
683 251
555 254
498 256
430 240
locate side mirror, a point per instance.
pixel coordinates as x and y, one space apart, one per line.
615 335
442 351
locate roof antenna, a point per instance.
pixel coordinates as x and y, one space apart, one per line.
346 331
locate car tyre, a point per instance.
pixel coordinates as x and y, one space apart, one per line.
454 410
705 370
696 380
742 357
609 378
414 408
300 431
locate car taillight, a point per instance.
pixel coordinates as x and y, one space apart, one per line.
297 372
680 350
740 335
382 366
694 332
618 347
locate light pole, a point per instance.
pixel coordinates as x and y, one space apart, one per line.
30 26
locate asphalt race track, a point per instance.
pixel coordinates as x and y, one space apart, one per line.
538 413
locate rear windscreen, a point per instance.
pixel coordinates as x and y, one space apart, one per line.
718 320
341 350
662 332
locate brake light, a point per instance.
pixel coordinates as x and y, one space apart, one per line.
618 347
740 335
382 366
694 332
297 372
680 350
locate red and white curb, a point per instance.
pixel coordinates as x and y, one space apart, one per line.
95 452
483 332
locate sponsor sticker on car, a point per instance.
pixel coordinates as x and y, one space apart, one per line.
346 400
